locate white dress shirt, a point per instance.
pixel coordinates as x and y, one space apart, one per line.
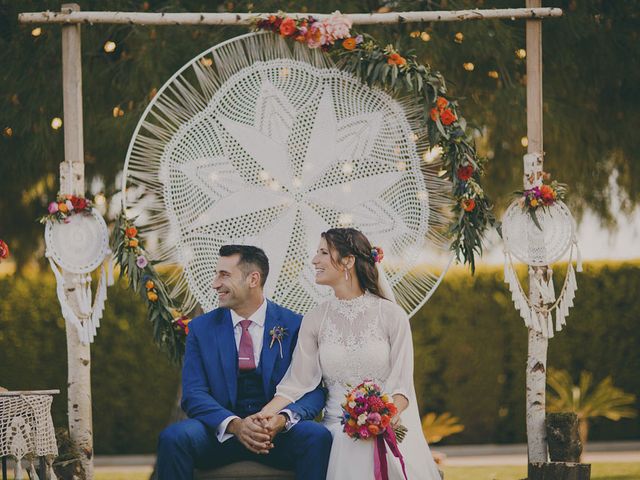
256 330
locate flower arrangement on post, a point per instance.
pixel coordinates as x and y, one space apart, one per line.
387 68
4 250
64 206
542 196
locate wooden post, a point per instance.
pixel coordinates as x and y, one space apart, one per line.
72 182
537 343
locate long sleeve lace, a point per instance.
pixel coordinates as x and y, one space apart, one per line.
304 373
396 321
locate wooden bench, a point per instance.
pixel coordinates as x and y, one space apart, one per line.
243 470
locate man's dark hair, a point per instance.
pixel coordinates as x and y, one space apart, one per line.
250 257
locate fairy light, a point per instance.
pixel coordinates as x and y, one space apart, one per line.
347 168
458 37
8 132
36 32
415 34
264 175
492 74
468 66
109 46
56 123
521 53
524 141
433 154
206 61
117 112
425 37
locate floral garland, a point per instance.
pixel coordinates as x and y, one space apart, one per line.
170 326
387 68
542 196
64 206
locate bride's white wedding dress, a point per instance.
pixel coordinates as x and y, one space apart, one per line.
343 343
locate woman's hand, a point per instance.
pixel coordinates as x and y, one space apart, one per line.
401 403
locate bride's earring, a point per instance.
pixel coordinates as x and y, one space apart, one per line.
346 274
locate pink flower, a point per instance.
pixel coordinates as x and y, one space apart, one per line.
359 410
337 26
69 205
317 35
141 261
53 207
364 432
374 418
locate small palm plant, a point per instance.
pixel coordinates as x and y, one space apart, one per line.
436 427
587 401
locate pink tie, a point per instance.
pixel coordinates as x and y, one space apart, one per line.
245 352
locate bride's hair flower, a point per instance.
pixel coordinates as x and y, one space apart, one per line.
377 254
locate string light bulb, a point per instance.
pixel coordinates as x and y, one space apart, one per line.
8 131
521 53
468 66
425 37
36 32
109 46
415 34
458 37
56 123
206 61
524 141
492 74
117 111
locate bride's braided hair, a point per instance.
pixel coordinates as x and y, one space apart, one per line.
349 241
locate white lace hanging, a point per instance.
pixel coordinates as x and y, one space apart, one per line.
536 247
78 248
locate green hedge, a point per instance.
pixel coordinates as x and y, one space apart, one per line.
470 355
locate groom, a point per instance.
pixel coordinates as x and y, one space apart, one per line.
233 361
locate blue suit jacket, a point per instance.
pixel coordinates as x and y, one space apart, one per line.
210 371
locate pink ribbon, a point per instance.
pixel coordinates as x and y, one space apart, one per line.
380 467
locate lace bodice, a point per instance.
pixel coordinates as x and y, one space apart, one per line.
344 342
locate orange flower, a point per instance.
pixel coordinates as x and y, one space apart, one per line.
374 429
287 27
153 296
349 43
63 207
149 284
434 114
131 232
133 243
441 103
447 117
468 204
386 420
396 59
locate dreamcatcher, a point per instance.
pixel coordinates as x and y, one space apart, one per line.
540 242
75 248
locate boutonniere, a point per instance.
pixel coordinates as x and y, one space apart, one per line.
277 334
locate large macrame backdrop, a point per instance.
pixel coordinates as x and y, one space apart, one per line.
259 142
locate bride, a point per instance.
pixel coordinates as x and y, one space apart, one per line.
357 335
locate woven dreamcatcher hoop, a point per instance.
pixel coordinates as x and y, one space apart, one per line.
261 142
540 246
79 246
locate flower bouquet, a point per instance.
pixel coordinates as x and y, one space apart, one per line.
4 250
367 413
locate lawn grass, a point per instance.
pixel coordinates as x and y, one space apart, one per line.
599 471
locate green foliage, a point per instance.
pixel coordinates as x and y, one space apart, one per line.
133 385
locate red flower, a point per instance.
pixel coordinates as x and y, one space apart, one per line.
441 103
79 204
434 114
465 173
468 204
447 117
4 250
131 232
288 27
